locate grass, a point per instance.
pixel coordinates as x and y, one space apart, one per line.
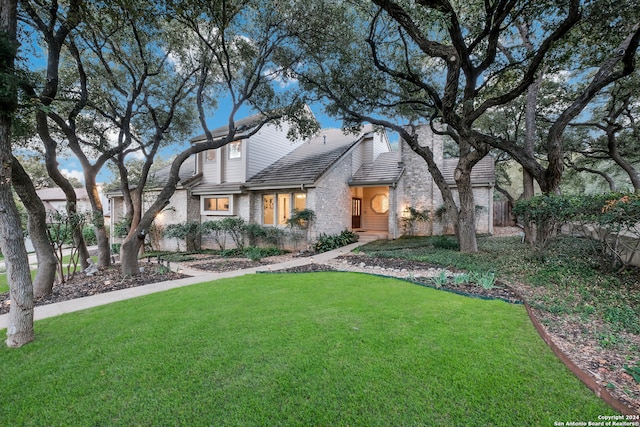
287 349
567 278
4 285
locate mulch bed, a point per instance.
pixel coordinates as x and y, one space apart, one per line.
106 280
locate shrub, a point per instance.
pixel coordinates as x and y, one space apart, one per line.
301 219
121 228
255 253
89 235
187 231
236 227
445 242
610 221
217 233
329 242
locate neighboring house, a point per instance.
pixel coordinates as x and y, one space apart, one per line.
54 200
352 181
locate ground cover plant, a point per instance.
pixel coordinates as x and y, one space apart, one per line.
292 349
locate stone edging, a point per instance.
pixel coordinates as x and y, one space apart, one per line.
586 379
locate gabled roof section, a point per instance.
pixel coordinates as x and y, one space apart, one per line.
483 173
386 170
56 194
242 125
307 163
186 174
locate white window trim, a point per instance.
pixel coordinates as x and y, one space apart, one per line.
230 212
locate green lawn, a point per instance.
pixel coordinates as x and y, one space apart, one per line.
4 285
290 349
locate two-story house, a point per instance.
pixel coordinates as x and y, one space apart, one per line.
350 181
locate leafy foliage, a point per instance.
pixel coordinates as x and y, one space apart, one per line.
89 235
329 242
236 227
60 230
301 219
188 231
611 221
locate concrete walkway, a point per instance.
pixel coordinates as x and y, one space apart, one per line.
198 276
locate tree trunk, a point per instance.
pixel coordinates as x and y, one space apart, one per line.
633 173
466 221
531 107
129 255
20 329
51 162
97 219
37 226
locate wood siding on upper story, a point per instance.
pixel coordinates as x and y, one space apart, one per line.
267 146
361 155
234 170
258 152
380 145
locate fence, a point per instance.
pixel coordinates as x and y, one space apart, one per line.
502 216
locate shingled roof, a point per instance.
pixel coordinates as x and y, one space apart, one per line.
242 126
187 171
385 170
307 163
482 173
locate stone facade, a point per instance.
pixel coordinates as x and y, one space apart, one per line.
416 188
332 199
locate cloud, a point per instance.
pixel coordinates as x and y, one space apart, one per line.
73 174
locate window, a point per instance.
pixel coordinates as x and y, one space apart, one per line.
284 208
221 205
277 208
235 150
380 204
210 156
268 209
299 202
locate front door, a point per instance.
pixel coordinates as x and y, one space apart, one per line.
356 213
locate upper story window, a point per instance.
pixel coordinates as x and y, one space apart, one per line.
210 156
235 150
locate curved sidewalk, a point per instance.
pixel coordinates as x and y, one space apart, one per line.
56 309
